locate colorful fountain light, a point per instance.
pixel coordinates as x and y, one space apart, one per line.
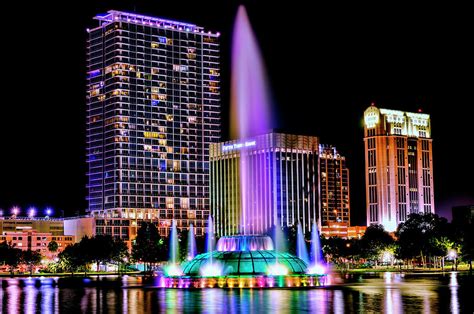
192 250
211 270
318 265
277 270
173 268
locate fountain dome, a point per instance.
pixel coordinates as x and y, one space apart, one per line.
245 243
238 263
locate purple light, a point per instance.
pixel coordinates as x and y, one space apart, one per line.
250 112
218 34
15 210
49 211
31 212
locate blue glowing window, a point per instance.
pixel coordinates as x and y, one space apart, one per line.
94 73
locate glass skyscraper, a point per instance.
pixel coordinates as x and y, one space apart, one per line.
153 108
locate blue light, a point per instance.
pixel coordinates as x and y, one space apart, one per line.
162 39
155 102
48 211
94 73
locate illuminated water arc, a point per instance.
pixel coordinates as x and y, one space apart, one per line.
250 116
192 250
316 250
301 249
174 249
250 98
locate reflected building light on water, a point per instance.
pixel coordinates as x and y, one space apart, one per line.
47 299
30 299
338 302
426 304
393 299
13 297
453 286
319 300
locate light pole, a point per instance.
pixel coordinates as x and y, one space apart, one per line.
452 254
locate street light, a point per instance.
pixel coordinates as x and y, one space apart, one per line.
452 255
31 212
15 210
49 211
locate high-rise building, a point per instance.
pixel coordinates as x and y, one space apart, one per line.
279 183
153 108
334 186
398 165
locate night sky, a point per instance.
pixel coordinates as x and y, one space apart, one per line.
326 65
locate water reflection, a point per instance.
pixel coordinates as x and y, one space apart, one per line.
389 293
453 286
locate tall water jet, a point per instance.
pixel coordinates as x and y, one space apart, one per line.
279 238
173 268
210 237
301 249
192 250
250 100
174 243
318 265
250 112
316 250
210 268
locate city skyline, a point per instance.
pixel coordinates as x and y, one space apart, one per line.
346 82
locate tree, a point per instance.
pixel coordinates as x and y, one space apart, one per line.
72 258
149 247
417 236
374 242
31 259
10 255
98 249
119 252
53 246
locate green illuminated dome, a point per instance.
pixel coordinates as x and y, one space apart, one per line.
236 263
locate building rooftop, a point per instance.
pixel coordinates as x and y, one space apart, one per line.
114 15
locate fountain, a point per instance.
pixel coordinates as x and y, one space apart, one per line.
192 250
318 265
301 250
249 259
173 268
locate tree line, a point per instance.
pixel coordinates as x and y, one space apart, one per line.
424 239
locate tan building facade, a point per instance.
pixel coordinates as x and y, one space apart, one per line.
398 165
